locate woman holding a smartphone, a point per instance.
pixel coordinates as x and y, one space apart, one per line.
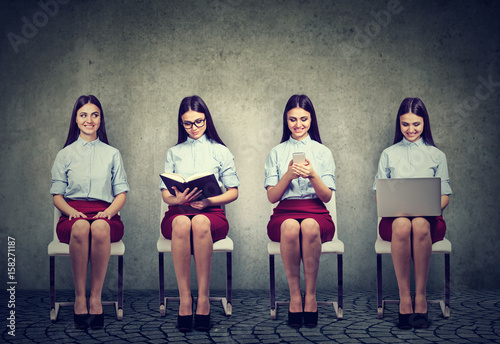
302 183
413 154
194 225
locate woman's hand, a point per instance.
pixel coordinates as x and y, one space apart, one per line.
76 214
291 171
199 205
103 215
304 170
186 196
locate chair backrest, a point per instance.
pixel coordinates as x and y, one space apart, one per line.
57 215
332 208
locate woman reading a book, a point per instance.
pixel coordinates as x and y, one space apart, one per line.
89 187
412 155
194 222
300 222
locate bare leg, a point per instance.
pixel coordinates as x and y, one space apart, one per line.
203 250
422 248
290 254
401 258
181 255
100 251
79 254
311 252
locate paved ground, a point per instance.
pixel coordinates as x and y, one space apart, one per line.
475 318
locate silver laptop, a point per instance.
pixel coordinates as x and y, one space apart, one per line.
408 197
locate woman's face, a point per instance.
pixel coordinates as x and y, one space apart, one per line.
194 124
411 126
88 119
299 122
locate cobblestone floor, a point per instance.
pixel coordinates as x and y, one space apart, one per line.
475 318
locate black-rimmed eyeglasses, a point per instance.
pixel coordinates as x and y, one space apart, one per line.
198 123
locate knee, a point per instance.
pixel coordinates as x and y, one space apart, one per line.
310 231
181 227
201 227
401 229
100 231
80 231
290 230
421 228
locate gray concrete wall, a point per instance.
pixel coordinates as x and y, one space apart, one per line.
356 60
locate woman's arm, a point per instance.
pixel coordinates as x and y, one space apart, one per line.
63 206
445 200
275 192
306 171
114 207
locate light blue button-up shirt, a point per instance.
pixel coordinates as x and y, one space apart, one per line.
407 159
89 171
201 156
300 188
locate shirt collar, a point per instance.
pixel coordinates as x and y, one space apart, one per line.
304 141
202 139
85 143
419 142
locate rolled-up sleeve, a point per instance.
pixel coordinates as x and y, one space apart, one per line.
328 170
168 167
228 173
383 171
119 182
442 172
59 177
271 170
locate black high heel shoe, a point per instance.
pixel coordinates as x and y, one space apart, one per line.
420 320
295 319
202 322
311 319
81 321
184 322
97 321
405 321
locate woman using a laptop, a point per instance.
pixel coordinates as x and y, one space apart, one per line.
413 155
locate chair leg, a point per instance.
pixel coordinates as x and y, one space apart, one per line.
119 310
380 302
340 287
229 282
272 286
161 278
53 310
446 311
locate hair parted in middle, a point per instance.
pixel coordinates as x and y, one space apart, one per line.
302 101
417 107
195 103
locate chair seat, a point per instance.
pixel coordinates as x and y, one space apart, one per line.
335 246
384 247
57 248
223 245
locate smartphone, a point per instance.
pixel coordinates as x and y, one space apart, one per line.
299 158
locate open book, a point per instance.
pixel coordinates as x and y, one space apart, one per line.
203 181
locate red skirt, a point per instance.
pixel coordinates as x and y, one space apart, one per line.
89 208
301 209
438 227
219 227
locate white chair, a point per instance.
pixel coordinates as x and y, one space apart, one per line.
57 248
164 245
330 247
440 247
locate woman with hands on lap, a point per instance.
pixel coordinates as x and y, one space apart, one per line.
301 222
89 187
194 225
